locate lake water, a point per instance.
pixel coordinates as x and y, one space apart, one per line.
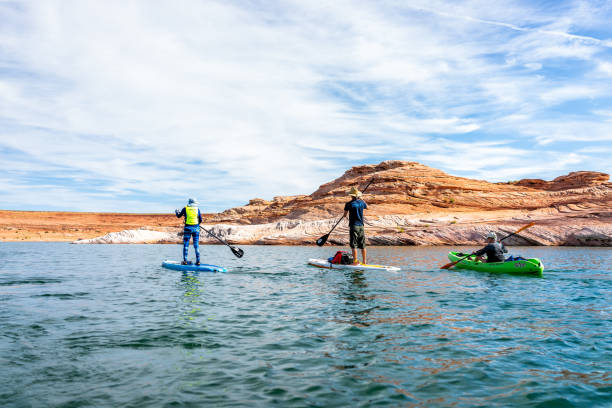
106 326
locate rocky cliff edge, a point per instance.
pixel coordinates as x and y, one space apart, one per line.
413 204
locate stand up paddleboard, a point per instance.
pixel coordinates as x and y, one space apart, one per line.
324 263
177 266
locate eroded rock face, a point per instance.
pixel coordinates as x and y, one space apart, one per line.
405 188
141 236
576 179
388 230
412 204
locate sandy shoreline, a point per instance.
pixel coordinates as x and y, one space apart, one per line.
56 226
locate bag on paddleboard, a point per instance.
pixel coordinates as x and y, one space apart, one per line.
341 257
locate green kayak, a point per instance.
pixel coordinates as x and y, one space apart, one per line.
516 267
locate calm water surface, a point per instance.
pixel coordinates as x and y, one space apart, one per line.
106 326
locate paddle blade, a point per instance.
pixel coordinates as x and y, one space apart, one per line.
449 265
321 241
237 251
531 224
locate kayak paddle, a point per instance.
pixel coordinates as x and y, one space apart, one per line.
451 264
237 251
321 241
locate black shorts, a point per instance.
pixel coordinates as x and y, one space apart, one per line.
357 237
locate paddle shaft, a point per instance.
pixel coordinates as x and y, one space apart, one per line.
237 251
336 224
214 236
531 224
450 265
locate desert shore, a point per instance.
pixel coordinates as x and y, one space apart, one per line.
409 204
71 226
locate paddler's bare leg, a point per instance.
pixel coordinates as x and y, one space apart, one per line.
363 255
355 259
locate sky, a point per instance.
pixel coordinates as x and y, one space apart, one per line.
135 106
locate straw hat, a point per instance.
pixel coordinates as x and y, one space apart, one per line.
354 192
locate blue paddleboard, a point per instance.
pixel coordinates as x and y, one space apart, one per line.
177 266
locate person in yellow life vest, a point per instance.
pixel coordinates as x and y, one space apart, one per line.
193 218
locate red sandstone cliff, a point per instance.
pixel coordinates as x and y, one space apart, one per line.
408 204
404 188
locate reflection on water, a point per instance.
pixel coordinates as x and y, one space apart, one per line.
193 289
355 296
272 331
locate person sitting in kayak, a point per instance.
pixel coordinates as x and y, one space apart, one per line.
494 250
354 209
193 218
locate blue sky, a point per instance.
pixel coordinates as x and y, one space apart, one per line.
136 105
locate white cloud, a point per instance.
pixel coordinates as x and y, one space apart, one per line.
276 98
502 162
533 66
584 131
570 92
605 68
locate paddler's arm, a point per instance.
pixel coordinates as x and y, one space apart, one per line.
481 251
479 254
179 214
199 217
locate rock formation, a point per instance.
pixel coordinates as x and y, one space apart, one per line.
412 204
403 188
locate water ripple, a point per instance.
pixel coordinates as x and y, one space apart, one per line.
107 326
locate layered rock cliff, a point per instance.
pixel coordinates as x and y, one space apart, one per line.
412 204
404 188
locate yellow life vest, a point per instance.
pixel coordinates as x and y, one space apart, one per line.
191 215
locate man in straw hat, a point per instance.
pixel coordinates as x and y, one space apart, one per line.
354 209
494 250
193 218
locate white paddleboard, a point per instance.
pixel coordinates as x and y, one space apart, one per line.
324 263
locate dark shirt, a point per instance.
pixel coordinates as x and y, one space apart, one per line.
183 213
494 250
355 208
